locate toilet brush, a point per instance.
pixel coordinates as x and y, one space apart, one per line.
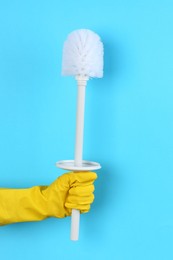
83 59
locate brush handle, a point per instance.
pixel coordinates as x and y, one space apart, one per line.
80 122
82 81
75 221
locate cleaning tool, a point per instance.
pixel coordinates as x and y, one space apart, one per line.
69 191
83 59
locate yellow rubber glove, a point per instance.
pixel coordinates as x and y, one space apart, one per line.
71 190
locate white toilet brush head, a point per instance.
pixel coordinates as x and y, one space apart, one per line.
83 55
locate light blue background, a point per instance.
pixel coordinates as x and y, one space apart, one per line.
128 125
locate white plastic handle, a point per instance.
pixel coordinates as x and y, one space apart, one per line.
75 219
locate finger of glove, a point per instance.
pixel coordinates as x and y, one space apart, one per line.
82 190
72 199
82 208
69 210
79 178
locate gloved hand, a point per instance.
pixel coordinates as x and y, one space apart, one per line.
71 190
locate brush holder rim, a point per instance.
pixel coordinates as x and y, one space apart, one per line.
85 166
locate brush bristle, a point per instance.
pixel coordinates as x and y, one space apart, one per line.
83 55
